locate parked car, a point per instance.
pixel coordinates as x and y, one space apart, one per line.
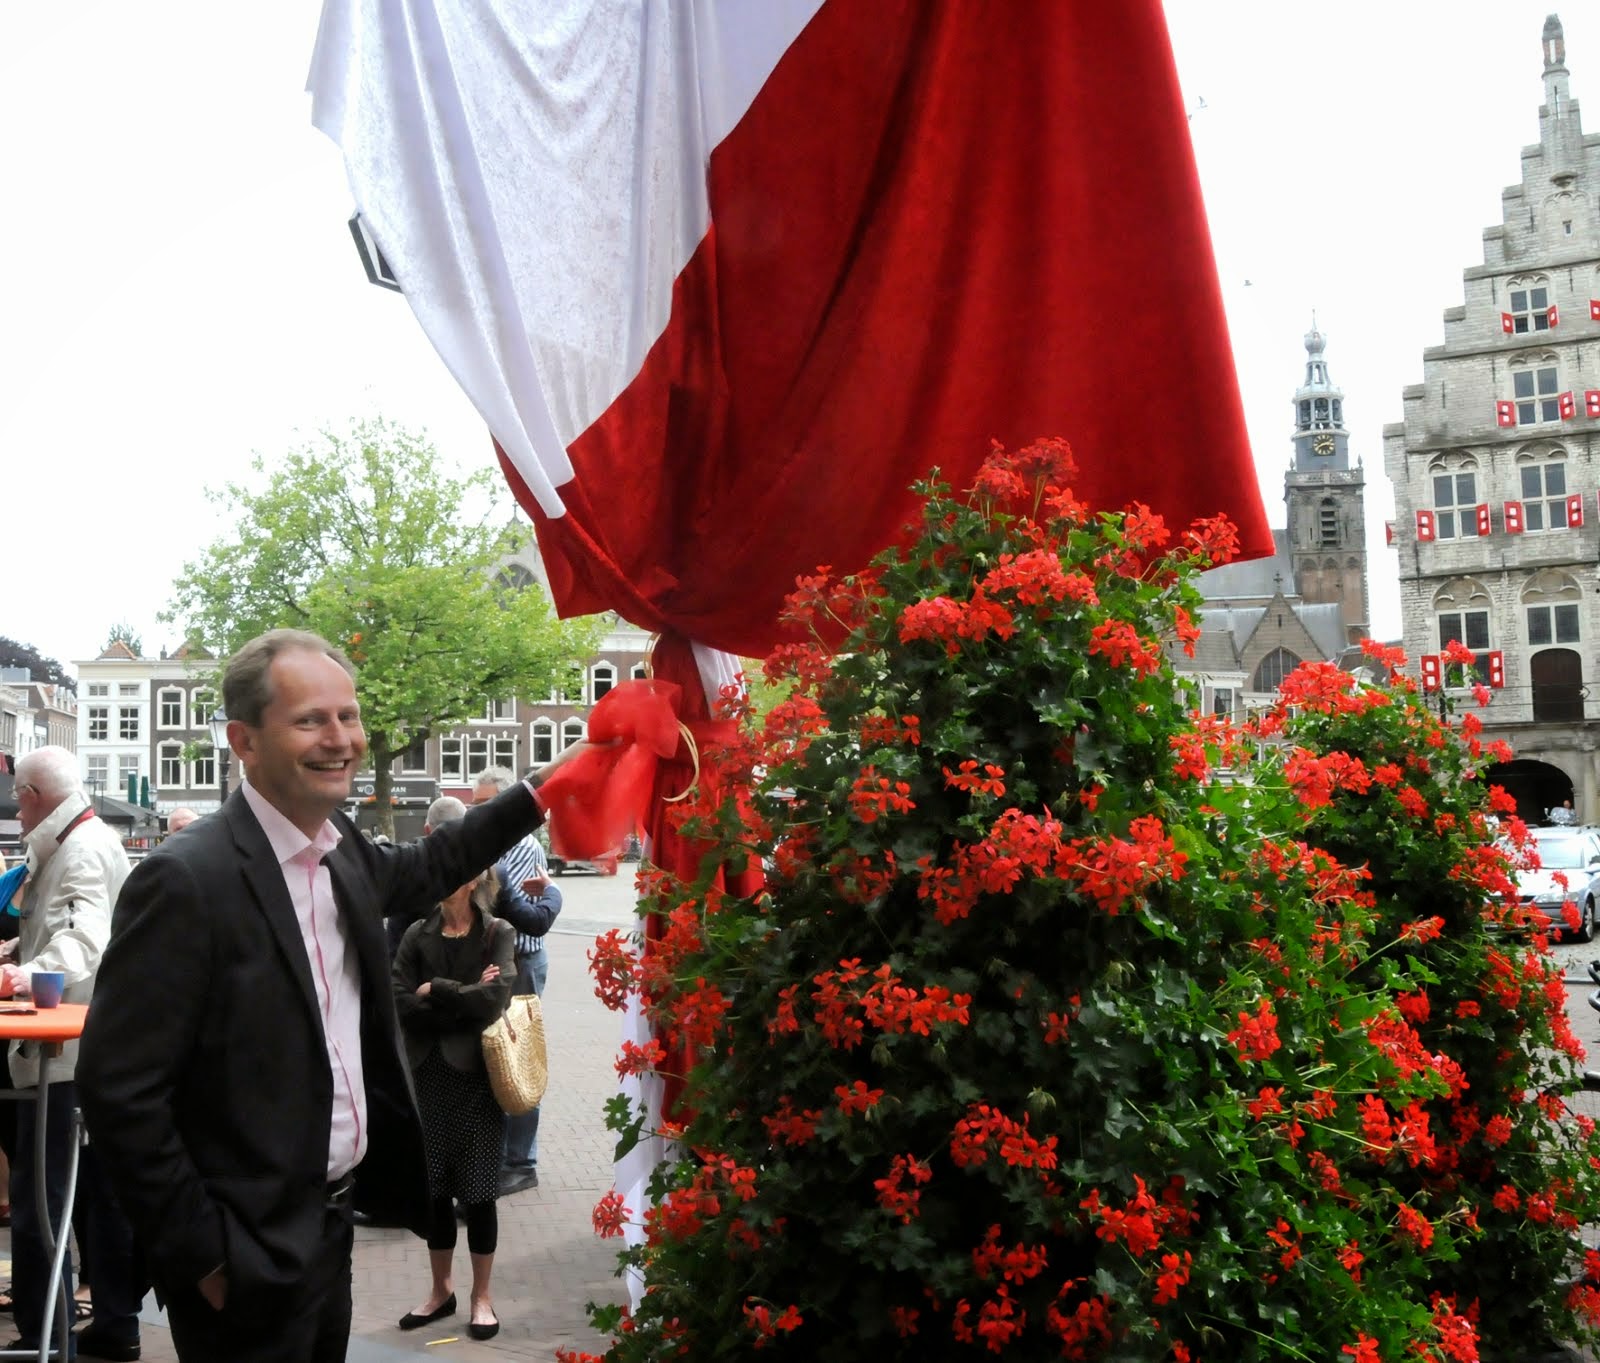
1573 853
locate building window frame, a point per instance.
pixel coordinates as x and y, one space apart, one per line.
128 723
1536 389
202 701
98 723
1542 483
169 708
542 741
1529 306
572 731
1455 502
170 766
602 679
1283 661
203 771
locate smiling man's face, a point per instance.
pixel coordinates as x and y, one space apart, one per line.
309 744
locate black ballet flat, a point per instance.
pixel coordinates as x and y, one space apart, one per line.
488 1331
413 1321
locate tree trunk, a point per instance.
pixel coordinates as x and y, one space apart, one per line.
383 783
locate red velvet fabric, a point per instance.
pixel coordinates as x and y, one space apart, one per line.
937 224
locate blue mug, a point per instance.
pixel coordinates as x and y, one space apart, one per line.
47 988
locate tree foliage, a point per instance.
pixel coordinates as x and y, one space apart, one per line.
14 653
124 633
363 537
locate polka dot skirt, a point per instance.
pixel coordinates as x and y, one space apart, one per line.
464 1128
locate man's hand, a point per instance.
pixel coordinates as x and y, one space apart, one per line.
535 886
424 989
214 1288
12 979
491 973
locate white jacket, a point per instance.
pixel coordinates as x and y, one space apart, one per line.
73 880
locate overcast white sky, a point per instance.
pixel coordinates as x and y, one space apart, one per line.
180 290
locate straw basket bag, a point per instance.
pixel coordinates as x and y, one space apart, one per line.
514 1054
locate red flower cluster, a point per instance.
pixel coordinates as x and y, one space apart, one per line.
1256 1037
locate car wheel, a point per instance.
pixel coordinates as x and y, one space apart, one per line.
1586 921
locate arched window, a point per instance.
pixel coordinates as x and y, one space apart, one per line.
1542 485
1536 385
1529 300
169 770
1455 496
1557 677
602 677
1273 669
542 732
1464 615
639 672
571 732
1552 607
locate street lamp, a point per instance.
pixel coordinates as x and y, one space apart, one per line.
219 747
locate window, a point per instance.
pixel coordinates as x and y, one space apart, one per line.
1222 700
171 768
99 722
1544 496
571 732
201 704
99 689
128 688
128 723
568 688
1535 392
127 765
544 741
1553 624
1455 503
1472 629
639 672
1530 310
415 758
1328 521
1273 669
450 758
602 677
505 752
477 754
205 770
98 771
500 709
171 711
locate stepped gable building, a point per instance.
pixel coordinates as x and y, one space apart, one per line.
1496 467
1308 602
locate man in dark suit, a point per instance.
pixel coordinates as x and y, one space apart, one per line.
240 1073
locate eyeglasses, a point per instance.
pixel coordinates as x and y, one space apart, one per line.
17 790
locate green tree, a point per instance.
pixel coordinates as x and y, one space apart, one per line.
364 538
14 653
124 633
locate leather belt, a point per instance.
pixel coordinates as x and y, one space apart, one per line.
337 1193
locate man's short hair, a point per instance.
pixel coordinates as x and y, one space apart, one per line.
52 771
181 818
446 809
247 686
501 778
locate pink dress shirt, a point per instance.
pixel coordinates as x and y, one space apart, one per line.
334 972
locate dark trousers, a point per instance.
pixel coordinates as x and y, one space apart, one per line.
110 1261
522 1133
30 1265
312 1325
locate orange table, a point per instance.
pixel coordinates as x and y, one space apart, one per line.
50 1027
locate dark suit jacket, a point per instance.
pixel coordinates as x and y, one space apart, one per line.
203 1073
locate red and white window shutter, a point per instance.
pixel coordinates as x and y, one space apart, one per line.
1482 511
1507 323
1552 315
1513 518
1594 309
1430 671
1497 668
1568 405
1505 412
1591 402
1388 532
1575 511
1425 525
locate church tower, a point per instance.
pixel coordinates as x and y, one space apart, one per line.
1325 497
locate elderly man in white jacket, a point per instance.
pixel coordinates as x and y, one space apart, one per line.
76 866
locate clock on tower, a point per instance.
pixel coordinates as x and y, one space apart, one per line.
1323 444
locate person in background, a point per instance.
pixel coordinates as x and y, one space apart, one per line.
451 978
180 819
526 867
75 869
